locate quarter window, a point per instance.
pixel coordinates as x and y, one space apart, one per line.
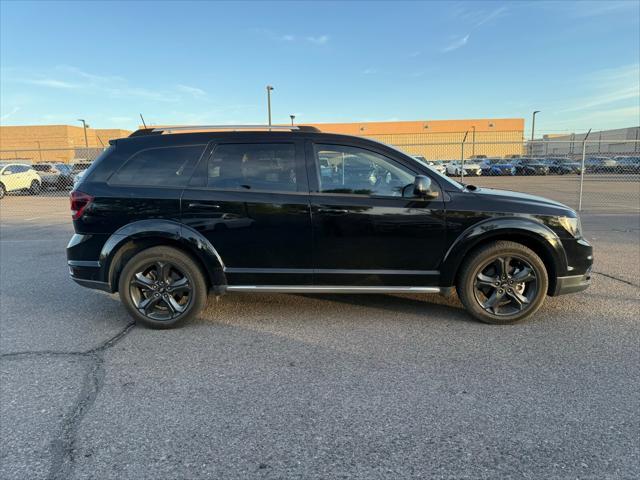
343 169
268 166
159 167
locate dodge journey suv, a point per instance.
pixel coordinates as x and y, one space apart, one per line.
169 215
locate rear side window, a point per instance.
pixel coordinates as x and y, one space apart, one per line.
159 167
268 166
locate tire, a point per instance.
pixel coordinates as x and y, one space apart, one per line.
35 187
508 308
141 282
3 192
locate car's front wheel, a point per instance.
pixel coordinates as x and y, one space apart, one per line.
35 187
503 282
162 287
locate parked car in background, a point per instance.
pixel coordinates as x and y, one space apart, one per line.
470 168
496 167
437 166
600 165
54 175
627 164
16 177
562 166
529 166
77 167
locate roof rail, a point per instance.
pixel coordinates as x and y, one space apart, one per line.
234 128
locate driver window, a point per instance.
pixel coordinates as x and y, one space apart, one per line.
343 169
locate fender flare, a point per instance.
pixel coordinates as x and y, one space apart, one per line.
502 228
190 240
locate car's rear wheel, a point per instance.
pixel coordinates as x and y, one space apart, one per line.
162 287
35 187
503 282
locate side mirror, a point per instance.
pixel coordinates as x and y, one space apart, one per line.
422 187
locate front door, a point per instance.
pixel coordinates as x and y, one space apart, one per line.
368 228
251 201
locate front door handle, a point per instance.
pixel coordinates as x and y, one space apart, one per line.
203 205
333 211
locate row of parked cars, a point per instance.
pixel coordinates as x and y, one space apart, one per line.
516 165
36 177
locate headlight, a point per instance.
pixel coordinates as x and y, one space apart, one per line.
571 225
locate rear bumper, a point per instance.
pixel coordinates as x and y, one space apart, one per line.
96 285
572 284
87 274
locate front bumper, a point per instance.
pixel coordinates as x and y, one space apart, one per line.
572 284
580 261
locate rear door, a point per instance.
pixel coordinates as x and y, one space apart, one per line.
250 199
368 229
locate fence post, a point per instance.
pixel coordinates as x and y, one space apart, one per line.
584 150
462 159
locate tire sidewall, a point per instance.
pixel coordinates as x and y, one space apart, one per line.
188 267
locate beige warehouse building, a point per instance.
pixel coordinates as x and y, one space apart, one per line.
54 142
433 139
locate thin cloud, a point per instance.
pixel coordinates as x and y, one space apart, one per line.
475 17
321 40
497 13
608 86
52 83
456 44
288 38
193 91
369 71
12 112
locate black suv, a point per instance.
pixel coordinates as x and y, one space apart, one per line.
166 216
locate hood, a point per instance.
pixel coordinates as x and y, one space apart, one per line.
507 197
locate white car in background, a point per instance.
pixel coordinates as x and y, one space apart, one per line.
16 177
438 167
454 168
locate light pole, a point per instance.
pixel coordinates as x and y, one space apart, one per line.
473 145
293 117
533 130
84 126
269 89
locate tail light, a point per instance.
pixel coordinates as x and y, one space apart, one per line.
79 201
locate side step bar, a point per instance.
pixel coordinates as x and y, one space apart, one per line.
329 289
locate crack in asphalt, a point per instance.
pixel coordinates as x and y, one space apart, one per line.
612 277
63 445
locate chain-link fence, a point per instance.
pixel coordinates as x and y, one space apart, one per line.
589 175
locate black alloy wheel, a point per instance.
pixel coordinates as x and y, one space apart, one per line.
162 287
160 290
502 282
505 285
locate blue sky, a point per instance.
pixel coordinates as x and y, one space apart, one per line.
209 62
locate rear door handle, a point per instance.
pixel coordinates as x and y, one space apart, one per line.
333 211
203 205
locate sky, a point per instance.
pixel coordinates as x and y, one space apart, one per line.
209 62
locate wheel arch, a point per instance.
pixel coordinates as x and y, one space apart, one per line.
528 232
138 236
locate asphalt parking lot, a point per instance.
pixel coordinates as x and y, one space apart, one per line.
330 386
